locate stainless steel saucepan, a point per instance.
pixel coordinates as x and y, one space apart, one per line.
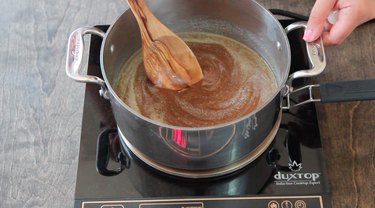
207 151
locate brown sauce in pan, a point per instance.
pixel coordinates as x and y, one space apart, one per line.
236 81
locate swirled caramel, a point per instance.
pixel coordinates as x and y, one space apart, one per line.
236 81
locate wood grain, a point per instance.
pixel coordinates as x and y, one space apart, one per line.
169 62
41 108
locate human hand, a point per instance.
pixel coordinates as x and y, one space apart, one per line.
350 14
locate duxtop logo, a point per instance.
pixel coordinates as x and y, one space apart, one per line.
294 166
296 177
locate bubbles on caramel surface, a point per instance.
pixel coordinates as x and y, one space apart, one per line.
236 81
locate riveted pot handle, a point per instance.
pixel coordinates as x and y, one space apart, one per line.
317 64
74 56
315 53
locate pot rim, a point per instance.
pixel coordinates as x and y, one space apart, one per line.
281 86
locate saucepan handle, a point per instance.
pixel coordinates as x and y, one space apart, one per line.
74 56
317 64
335 91
342 91
315 53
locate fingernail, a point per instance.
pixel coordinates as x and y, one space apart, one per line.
308 35
332 18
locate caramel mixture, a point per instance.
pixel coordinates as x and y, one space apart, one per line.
236 81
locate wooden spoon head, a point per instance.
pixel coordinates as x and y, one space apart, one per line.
168 61
170 68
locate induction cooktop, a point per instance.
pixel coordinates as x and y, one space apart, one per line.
291 173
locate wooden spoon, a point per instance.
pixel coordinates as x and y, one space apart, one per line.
169 62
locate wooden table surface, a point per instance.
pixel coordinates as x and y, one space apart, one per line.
41 108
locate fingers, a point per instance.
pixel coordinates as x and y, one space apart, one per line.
342 28
318 17
327 26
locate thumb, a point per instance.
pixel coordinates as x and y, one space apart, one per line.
318 17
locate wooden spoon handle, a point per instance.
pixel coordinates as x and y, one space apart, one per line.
142 14
149 23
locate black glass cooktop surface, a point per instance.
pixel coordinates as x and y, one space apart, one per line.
291 173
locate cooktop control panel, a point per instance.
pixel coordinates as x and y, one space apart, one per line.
225 202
